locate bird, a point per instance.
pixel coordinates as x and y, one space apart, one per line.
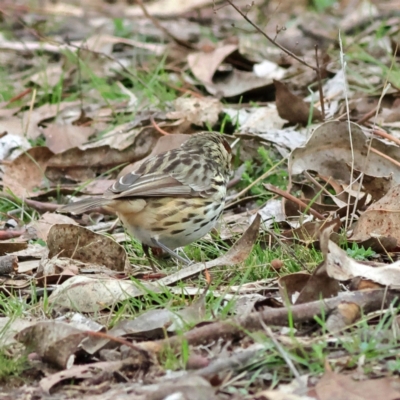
173 198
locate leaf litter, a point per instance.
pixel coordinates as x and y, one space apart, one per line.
307 250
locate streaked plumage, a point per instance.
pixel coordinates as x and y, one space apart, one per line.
174 198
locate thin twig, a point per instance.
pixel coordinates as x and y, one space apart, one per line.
380 132
274 42
366 116
282 352
157 128
385 156
19 96
295 200
259 179
236 327
321 92
346 98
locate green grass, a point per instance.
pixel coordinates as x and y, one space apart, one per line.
18 209
322 5
267 159
360 252
11 368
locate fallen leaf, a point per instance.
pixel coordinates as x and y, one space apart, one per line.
293 108
380 219
376 186
43 225
291 285
56 342
11 247
329 150
333 386
82 244
197 111
341 267
83 372
60 138
9 327
92 294
204 65
26 172
122 145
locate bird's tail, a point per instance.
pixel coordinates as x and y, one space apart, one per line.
81 206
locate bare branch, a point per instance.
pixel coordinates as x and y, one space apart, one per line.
285 50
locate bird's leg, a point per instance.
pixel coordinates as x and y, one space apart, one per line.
188 261
146 251
185 261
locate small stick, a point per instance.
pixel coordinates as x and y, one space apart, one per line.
385 135
295 200
321 93
157 127
288 52
367 116
393 161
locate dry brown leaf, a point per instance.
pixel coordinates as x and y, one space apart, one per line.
199 112
91 294
293 108
60 138
291 285
9 327
308 232
320 285
204 65
86 371
122 146
81 244
48 77
57 342
32 118
381 219
7 247
56 270
328 151
43 225
341 267
333 386
26 172
376 186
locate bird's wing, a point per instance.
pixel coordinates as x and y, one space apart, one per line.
174 173
148 186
